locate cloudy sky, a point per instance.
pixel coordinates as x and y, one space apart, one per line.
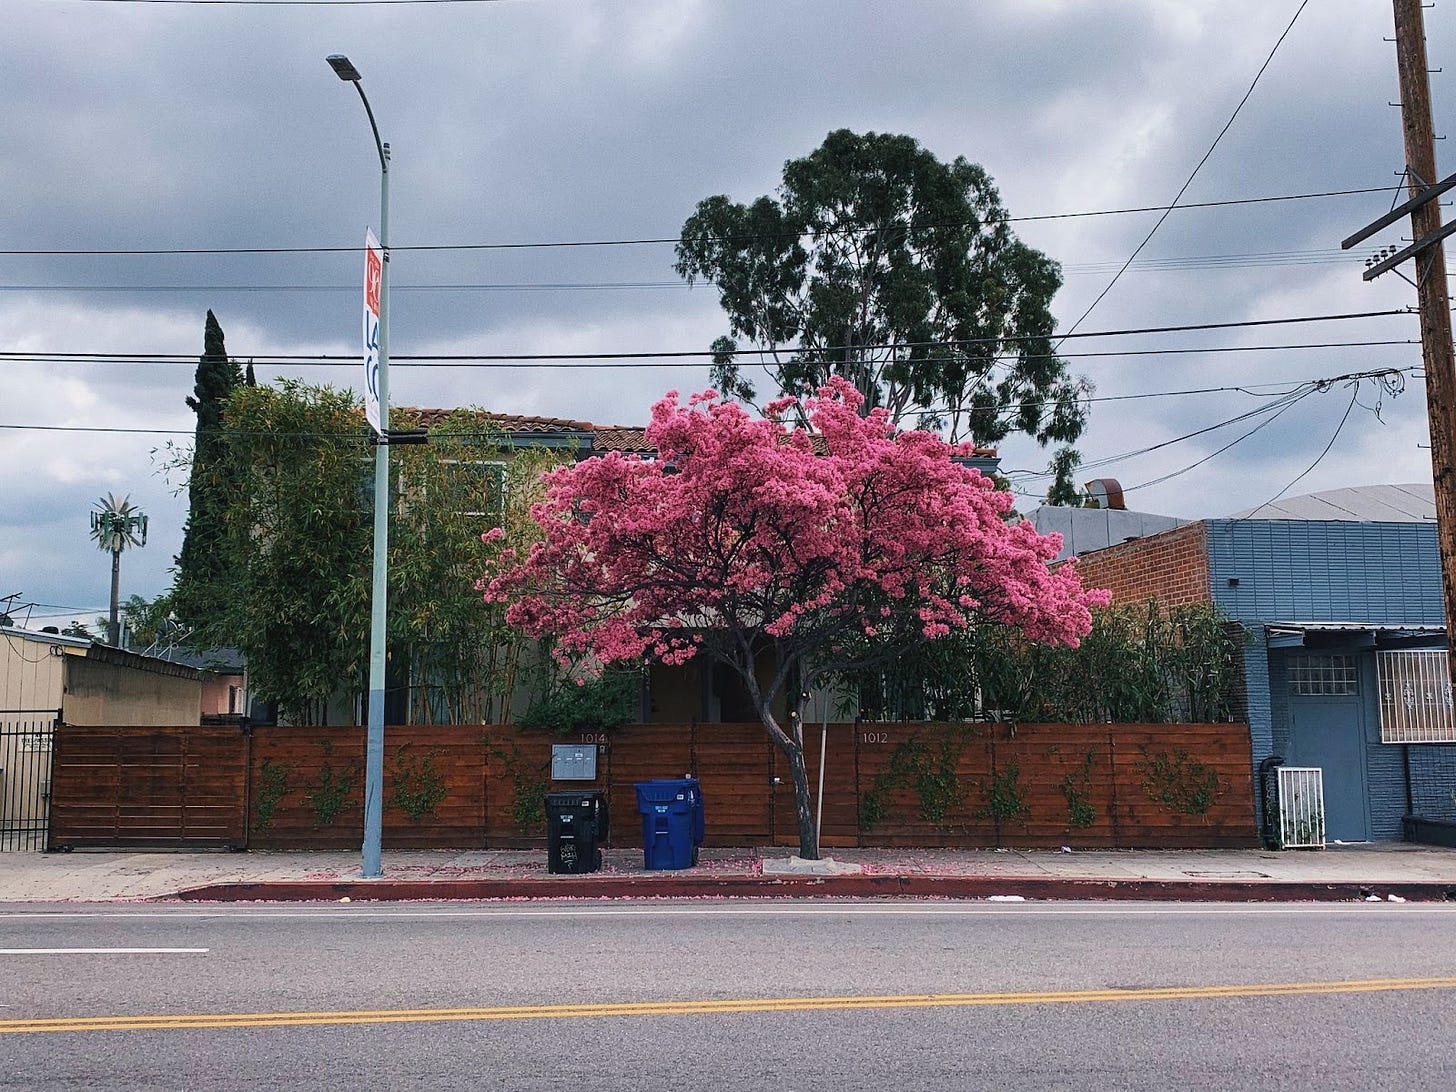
136 125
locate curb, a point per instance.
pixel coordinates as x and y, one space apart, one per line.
913 886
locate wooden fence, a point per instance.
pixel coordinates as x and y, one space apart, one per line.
1037 785
184 786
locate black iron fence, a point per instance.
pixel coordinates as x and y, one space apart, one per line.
26 740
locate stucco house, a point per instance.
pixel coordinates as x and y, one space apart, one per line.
694 692
46 676
1339 597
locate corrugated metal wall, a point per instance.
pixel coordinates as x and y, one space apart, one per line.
1291 570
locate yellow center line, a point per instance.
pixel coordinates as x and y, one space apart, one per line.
705 1007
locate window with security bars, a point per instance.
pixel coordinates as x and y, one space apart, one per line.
482 485
1415 696
1323 676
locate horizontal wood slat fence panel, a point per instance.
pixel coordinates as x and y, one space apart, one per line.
460 787
167 786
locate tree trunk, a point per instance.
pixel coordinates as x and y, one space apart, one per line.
791 745
113 626
803 805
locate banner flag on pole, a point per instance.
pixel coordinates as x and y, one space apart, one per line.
373 272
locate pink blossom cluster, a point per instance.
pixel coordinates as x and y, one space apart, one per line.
817 540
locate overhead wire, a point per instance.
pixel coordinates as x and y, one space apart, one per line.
472 359
95 252
1194 173
1354 394
1299 390
1161 265
1392 378
128 359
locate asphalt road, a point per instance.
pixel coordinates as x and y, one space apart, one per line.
712 995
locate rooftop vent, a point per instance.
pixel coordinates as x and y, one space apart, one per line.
1106 493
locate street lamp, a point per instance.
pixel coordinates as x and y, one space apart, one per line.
374 748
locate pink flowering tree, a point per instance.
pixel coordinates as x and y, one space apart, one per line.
749 542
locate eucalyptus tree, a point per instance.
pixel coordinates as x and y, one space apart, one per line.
882 264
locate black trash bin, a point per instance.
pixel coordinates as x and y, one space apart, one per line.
576 830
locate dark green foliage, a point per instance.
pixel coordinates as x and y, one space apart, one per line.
297 543
882 264
1180 782
599 704
931 773
528 788
298 548
201 578
330 793
417 784
1076 789
1005 798
1138 665
150 623
272 788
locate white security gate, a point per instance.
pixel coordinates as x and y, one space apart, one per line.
1301 807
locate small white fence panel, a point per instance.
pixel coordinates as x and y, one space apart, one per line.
1301 807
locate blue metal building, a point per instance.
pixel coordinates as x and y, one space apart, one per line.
1345 665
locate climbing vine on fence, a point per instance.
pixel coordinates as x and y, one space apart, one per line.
272 788
932 773
1005 797
417 785
1076 789
528 787
330 791
1180 782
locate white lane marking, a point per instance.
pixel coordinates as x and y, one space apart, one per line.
1039 909
103 951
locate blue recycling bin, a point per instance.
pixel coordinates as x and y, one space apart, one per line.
672 822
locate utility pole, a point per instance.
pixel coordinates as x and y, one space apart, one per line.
1436 351
1424 207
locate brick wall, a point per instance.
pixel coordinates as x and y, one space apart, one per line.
1171 567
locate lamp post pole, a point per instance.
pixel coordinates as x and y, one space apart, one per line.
374 749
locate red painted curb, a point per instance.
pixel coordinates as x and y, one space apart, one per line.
847 886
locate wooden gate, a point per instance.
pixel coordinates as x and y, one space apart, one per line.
174 786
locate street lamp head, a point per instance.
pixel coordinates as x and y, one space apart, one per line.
344 68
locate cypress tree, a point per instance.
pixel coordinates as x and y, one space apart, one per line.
201 567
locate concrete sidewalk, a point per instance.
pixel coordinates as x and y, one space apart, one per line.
1339 872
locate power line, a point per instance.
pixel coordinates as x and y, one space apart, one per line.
651 241
127 359
291 3
1194 173
474 359
1300 389
1160 265
1214 454
1320 457
1392 378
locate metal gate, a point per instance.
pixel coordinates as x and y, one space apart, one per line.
26 737
1301 807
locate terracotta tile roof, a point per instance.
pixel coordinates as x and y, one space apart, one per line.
509 422
624 438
